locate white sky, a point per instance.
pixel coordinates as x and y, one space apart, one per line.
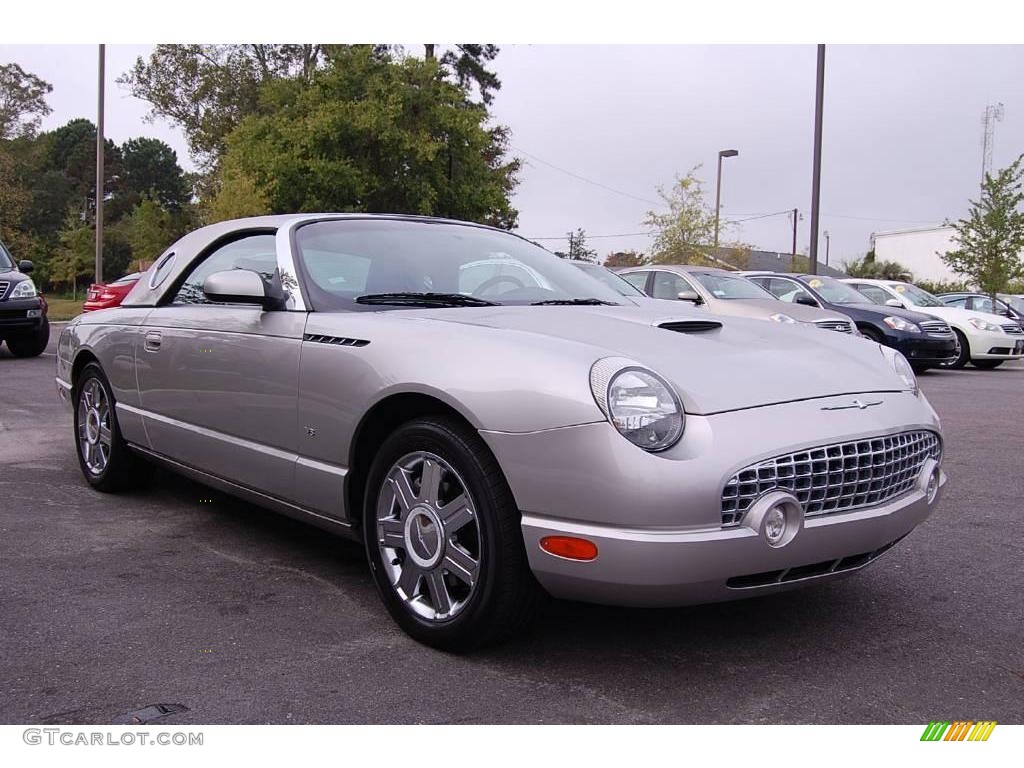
902 136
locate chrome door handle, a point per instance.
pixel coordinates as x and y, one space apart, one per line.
152 343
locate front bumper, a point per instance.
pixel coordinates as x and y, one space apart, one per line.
988 345
21 316
657 518
924 350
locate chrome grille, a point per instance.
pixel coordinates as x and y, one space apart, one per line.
1013 328
835 325
4 285
837 477
936 328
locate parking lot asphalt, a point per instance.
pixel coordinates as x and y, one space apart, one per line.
178 594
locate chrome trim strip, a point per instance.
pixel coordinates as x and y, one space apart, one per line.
321 466
223 437
62 383
294 300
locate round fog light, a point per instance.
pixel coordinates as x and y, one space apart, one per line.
775 525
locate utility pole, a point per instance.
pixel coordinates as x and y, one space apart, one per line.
819 101
828 246
992 115
99 168
796 217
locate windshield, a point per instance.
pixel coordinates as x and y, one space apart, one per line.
915 295
609 278
6 261
1016 302
835 292
346 260
725 286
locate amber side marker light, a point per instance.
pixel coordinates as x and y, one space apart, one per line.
569 547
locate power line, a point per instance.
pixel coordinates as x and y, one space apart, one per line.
584 178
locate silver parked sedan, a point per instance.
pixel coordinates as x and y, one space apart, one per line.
495 424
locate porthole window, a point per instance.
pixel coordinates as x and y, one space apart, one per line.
161 270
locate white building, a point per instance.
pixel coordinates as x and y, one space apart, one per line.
918 250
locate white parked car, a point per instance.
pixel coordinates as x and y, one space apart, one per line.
984 340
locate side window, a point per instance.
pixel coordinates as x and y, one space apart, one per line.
981 304
637 280
783 290
959 301
255 252
668 285
873 292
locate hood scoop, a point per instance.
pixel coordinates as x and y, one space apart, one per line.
690 326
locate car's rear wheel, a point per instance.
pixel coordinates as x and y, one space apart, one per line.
31 344
963 352
105 459
443 538
986 365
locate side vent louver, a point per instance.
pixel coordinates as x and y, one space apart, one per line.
691 326
338 341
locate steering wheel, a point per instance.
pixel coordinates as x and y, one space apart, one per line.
491 282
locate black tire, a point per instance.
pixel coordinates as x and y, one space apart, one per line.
30 345
505 596
122 469
987 365
963 352
872 334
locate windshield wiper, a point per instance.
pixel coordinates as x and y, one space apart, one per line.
573 302
424 299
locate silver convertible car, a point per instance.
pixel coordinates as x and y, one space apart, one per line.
496 425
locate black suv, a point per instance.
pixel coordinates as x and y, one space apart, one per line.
23 323
924 340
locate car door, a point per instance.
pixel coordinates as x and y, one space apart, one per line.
218 383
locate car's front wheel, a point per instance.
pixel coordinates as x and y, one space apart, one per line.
105 459
443 538
32 344
963 352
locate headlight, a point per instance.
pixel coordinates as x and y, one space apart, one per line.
26 289
984 325
899 324
639 403
778 317
904 371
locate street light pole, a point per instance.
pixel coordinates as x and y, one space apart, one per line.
819 100
828 246
718 187
99 168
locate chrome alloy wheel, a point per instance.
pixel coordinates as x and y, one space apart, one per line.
94 437
428 536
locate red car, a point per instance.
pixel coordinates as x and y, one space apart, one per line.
106 295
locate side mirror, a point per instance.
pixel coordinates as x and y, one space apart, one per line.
807 301
26 266
893 303
690 296
238 286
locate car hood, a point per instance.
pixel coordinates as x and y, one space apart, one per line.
743 364
765 308
960 317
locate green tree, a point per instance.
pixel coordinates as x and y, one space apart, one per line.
468 64
990 239
74 260
22 101
234 195
378 135
149 229
629 258
685 233
578 249
868 267
206 90
150 168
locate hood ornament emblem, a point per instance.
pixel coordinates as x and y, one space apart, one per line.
855 404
